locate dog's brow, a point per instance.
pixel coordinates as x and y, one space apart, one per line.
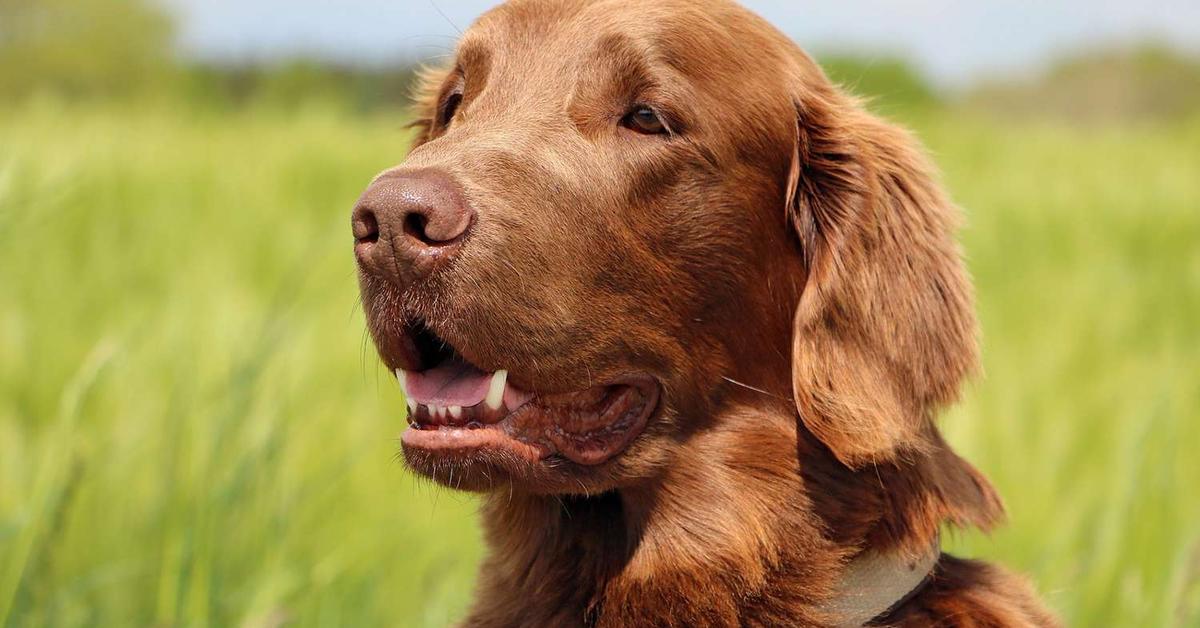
473 53
619 46
634 62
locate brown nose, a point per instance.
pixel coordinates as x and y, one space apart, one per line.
408 223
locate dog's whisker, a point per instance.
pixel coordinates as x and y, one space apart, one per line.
752 388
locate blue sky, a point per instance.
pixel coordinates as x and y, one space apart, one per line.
952 40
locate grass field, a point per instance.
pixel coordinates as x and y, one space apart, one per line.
194 431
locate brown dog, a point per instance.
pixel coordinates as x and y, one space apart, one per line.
683 312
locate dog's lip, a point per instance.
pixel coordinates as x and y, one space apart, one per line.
398 347
460 442
588 427
464 406
399 352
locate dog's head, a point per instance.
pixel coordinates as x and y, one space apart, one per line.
619 215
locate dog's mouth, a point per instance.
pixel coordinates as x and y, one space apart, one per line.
457 409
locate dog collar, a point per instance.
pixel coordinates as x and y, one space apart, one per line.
875 584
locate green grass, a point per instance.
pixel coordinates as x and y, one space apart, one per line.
193 430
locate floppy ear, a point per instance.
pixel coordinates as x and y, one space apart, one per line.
427 89
885 329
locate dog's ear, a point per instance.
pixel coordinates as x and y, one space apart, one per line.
885 330
428 84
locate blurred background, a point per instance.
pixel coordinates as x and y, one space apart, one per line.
194 430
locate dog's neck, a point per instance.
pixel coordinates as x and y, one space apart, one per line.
744 528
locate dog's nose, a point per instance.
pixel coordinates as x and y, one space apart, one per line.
408 223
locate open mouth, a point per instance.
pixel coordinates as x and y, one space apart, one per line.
456 408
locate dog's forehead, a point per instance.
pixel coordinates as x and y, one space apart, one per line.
550 65
694 37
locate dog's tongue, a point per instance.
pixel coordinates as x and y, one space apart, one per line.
454 383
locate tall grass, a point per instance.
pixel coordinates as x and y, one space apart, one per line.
229 456
193 430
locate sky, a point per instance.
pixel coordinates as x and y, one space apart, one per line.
953 41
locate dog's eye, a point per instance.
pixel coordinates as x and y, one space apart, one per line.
450 108
645 120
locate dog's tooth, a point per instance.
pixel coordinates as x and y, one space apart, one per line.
495 394
402 379
455 411
437 411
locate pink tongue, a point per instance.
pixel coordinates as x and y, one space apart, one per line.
454 383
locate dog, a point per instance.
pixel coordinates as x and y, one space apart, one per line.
683 312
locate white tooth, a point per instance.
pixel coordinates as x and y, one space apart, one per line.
436 410
455 411
412 407
402 379
495 394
